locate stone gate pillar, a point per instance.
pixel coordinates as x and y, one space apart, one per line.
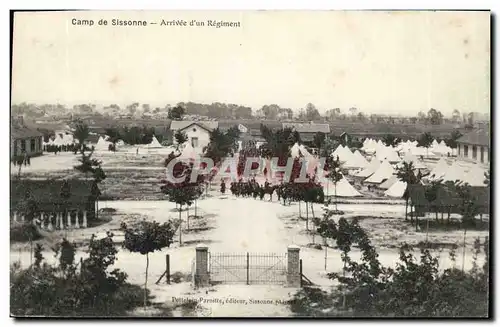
201 278
293 276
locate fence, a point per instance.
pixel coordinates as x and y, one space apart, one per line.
247 268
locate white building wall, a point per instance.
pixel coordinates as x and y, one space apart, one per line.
197 132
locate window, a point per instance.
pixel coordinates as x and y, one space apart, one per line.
23 145
33 145
194 129
194 142
474 152
482 154
466 150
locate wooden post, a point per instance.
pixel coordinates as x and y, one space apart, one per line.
168 268
300 267
248 268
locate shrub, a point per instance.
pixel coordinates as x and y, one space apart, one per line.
412 289
24 233
69 290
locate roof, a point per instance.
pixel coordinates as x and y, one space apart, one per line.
209 125
24 133
308 127
477 137
47 192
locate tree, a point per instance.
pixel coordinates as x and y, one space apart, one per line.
414 288
487 178
113 136
270 111
327 229
452 140
147 238
406 173
435 117
468 204
28 207
361 117
319 141
93 167
176 113
334 175
92 290
332 114
422 117
456 117
182 193
312 113
81 133
95 193
431 191
180 138
65 194
390 140
425 140
132 108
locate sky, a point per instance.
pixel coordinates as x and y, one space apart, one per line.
378 62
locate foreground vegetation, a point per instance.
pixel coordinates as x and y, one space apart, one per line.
415 288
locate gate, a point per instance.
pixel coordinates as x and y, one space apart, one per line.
247 268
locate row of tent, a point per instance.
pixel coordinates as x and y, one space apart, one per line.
383 175
103 145
436 149
65 139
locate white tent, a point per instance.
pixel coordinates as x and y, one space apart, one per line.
475 176
356 161
396 190
384 171
410 157
370 169
50 142
344 153
67 139
454 173
388 183
58 141
344 189
388 154
337 151
154 143
439 170
295 151
304 151
102 145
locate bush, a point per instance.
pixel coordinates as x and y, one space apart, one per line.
24 233
85 289
412 289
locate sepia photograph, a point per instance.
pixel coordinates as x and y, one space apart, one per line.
250 164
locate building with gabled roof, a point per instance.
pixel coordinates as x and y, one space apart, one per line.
475 146
197 132
24 140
